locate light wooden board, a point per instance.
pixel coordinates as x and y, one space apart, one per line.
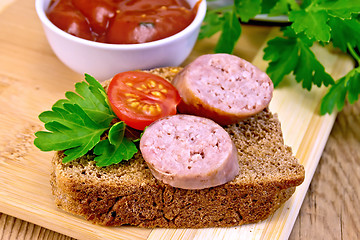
32 79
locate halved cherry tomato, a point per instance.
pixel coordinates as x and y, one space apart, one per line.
140 98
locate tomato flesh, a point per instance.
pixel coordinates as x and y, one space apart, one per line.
140 98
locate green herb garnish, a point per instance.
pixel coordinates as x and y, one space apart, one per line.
312 21
115 147
295 56
76 124
348 85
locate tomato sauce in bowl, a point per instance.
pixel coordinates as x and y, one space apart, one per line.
121 21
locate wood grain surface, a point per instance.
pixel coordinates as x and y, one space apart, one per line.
330 209
331 206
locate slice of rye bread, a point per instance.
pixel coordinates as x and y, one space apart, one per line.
127 193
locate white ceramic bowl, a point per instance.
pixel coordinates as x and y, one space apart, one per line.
103 60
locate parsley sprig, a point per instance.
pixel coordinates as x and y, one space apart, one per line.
76 124
314 21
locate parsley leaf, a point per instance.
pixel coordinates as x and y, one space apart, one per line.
222 20
75 124
92 99
247 9
115 148
312 22
293 54
349 86
341 8
230 33
353 85
343 32
281 62
213 23
309 70
69 128
282 7
266 6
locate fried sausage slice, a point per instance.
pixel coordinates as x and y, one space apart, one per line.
189 152
223 87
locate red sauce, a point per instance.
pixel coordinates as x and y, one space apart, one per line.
121 21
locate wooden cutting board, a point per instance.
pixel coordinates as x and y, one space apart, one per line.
32 79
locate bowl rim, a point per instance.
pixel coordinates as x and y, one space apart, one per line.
199 17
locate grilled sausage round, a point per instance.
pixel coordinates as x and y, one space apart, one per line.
223 87
189 152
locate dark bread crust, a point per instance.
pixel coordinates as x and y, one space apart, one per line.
127 193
